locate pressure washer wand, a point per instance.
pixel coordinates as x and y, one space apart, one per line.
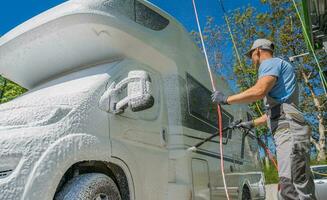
218 106
231 126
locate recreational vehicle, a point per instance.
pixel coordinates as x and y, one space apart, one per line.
117 93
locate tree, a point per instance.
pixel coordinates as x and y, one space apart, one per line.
9 90
279 23
213 38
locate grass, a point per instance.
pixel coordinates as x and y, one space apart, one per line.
315 162
271 174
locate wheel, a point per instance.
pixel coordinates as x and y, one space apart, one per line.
246 195
91 186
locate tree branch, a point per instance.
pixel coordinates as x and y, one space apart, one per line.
314 142
313 94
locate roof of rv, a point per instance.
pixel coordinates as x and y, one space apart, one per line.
74 6
81 33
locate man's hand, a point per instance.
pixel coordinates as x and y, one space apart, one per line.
219 98
246 125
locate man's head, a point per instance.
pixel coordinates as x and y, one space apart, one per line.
261 49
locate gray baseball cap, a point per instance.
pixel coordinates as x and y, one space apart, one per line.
262 44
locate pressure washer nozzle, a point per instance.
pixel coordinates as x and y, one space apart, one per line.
191 149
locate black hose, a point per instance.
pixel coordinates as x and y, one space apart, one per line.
231 126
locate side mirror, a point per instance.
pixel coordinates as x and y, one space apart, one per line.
139 92
138 85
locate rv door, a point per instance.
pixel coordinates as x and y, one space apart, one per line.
139 138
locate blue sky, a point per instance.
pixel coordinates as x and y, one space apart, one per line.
13 13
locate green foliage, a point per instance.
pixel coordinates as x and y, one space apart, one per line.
213 37
279 23
9 90
271 175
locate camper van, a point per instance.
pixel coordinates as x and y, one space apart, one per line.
117 94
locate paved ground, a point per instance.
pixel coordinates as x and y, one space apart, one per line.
271 192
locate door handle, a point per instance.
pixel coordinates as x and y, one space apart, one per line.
320 182
164 136
231 168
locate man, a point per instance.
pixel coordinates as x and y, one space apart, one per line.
277 86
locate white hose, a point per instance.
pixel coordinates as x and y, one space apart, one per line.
203 45
214 89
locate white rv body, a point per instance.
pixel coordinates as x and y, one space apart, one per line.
68 57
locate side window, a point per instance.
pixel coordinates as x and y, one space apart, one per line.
203 114
121 71
149 18
137 12
123 7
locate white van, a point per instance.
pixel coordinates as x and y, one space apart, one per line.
117 94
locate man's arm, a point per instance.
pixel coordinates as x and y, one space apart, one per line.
260 121
257 92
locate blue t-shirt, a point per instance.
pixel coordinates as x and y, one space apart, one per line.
285 85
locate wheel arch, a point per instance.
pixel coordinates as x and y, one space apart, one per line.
245 185
114 171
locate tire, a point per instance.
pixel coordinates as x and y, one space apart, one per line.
246 195
91 186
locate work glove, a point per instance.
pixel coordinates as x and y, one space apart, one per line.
219 98
246 125
235 124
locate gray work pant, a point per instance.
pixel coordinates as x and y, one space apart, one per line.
292 139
